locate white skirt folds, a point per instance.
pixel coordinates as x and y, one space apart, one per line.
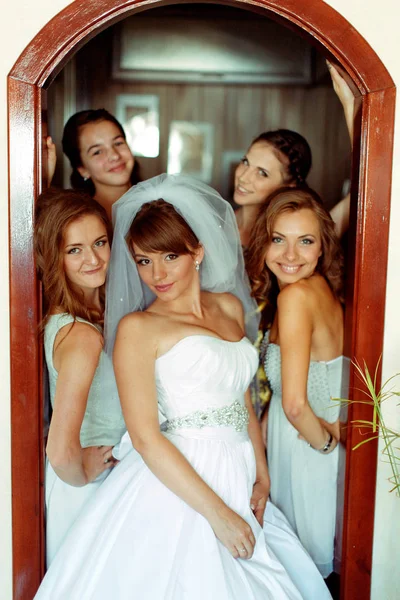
64 503
135 539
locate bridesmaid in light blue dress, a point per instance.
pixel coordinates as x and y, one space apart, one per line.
295 262
72 251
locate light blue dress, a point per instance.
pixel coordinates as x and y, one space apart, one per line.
304 481
103 425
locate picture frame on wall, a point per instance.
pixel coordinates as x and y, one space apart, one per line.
139 115
191 149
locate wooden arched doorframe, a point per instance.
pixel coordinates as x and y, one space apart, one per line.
43 58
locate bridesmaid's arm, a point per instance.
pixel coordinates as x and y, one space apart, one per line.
340 213
295 324
134 371
76 355
345 96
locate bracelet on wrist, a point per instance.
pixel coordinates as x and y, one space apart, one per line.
325 449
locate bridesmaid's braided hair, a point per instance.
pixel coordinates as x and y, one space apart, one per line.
294 147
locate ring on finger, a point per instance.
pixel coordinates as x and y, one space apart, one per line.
242 550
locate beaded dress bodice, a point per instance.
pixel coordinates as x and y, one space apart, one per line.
202 379
326 380
103 423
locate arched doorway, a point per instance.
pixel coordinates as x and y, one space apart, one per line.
27 83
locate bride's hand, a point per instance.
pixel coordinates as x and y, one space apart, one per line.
259 499
233 531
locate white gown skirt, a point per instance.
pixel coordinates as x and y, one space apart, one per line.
135 539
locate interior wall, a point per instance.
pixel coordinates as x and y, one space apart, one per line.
238 113
378 23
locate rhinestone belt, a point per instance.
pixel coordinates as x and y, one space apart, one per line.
234 415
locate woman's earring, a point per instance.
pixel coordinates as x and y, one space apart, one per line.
86 178
197 265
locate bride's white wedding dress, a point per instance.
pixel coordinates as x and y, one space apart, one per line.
137 540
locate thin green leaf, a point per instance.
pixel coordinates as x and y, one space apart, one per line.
376 425
375 437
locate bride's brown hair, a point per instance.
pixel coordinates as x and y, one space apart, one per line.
330 264
158 227
55 211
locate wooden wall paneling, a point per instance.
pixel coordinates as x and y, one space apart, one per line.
313 110
212 111
35 68
267 112
167 115
232 135
55 99
324 127
186 104
326 167
271 109
294 98
244 111
165 94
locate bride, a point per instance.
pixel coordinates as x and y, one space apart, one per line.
181 517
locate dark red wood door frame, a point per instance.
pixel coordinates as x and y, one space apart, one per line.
43 58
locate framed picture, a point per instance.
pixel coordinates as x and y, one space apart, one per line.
139 115
190 149
229 161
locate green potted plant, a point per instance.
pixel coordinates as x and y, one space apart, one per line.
376 427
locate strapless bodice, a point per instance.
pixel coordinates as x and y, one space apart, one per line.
326 380
202 372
